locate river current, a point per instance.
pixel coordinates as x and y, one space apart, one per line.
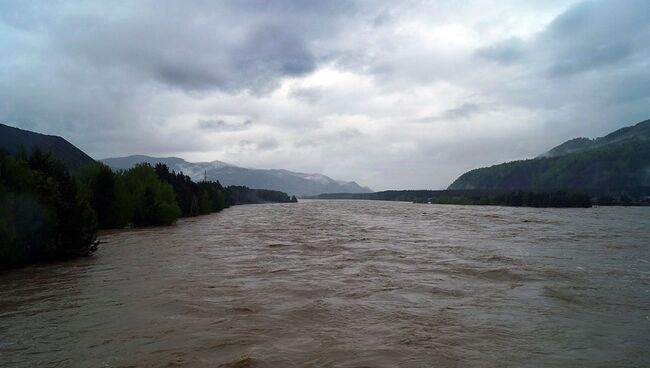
345 284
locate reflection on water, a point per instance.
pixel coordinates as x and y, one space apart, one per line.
345 284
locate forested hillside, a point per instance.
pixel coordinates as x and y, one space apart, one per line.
23 142
618 161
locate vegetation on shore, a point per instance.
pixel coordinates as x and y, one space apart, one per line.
558 199
639 196
244 195
47 214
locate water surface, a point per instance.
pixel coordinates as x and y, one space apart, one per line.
345 284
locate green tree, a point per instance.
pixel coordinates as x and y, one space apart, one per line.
154 201
45 213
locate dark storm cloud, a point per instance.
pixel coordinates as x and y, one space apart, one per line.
193 56
71 68
271 52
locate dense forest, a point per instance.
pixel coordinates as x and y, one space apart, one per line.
46 213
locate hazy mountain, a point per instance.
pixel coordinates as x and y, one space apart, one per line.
616 161
293 183
13 140
570 146
639 132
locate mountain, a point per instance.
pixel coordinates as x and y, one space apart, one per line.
293 183
570 146
636 133
14 140
193 170
616 161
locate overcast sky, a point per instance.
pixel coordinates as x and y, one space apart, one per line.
392 94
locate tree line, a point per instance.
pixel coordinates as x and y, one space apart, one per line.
572 197
47 213
519 198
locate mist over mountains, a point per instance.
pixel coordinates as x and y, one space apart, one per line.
619 160
15 140
293 183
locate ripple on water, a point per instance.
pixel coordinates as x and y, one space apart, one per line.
345 284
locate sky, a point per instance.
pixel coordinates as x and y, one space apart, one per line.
391 94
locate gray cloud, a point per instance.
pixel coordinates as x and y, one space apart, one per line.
593 35
341 85
505 52
584 72
462 111
308 95
195 57
350 133
590 35
266 144
223 126
323 139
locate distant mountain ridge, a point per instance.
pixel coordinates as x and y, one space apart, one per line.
616 161
293 183
13 140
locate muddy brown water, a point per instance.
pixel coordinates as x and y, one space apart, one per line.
345 284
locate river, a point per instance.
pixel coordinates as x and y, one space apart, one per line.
345 284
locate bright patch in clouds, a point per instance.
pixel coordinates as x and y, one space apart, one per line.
405 94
